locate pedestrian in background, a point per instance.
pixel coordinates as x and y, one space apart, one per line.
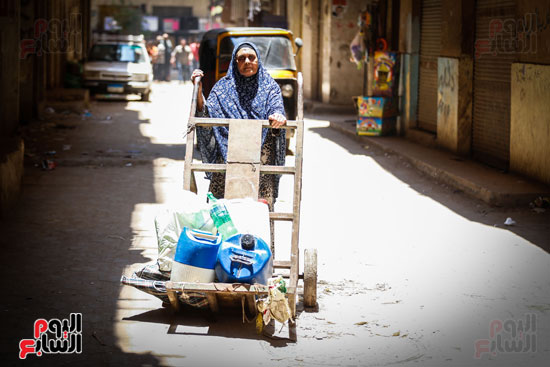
195 50
167 54
158 60
183 57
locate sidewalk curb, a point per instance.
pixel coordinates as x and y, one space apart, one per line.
474 189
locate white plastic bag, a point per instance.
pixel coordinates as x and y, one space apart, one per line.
357 49
194 213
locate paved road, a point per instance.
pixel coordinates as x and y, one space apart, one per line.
411 273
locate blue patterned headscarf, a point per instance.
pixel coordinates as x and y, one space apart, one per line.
238 97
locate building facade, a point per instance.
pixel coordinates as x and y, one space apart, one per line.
474 75
40 42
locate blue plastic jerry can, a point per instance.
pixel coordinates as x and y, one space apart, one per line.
244 258
195 257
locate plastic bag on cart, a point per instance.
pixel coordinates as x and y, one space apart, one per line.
157 288
193 213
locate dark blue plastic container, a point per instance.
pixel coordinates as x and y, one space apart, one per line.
244 258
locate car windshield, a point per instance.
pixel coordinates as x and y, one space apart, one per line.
118 52
275 51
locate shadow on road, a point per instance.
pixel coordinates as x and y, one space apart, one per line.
67 242
531 226
228 323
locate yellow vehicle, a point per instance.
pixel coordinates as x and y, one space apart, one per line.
276 46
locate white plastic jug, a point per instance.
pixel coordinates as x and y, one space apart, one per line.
250 216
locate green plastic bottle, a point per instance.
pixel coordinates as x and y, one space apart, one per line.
222 219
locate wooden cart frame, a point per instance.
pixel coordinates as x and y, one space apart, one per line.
243 170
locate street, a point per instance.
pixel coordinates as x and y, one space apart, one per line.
410 271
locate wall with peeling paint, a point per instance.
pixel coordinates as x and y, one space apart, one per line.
342 80
530 121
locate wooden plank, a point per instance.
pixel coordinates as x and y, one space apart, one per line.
282 264
208 167
226 288
216 167
242 180
173 297
251 303
242 176
294 252
279 170
213 302
245 141
281 216
190 140
210 121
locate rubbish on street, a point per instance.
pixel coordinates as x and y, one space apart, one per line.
48 165
540 204
276 304
128 164
509 222
94 335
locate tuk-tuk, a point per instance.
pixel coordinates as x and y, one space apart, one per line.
276 51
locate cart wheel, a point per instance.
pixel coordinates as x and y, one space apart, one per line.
310 277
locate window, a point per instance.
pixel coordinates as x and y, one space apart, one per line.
275 51
118 52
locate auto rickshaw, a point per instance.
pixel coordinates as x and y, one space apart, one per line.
276 51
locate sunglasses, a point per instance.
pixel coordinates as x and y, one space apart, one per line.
243 58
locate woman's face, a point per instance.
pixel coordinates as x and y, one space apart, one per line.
247 62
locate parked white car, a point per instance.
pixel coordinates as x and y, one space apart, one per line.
119 64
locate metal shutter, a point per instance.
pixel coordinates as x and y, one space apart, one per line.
430 48
491 114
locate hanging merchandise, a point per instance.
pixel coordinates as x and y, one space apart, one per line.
357 48
385 73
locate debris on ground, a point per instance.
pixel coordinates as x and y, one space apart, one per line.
48 164
94 335
540 204
509 222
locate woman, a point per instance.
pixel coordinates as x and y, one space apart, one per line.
246 92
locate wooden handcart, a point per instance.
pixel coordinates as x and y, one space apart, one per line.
243 170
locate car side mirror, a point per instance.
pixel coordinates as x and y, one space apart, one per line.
299 43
